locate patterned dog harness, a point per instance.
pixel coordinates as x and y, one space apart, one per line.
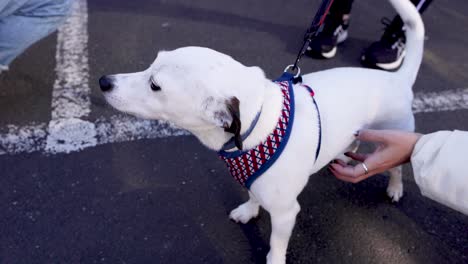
247 166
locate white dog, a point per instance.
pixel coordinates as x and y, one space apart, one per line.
217 98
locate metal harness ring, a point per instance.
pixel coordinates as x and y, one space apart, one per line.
291 67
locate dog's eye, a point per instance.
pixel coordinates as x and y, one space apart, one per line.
154 86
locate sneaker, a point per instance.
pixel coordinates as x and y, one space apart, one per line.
3 68
334 32
389 51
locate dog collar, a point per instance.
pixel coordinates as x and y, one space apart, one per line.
247 166
230 144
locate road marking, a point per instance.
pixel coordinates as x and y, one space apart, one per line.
449 100
33 137
29 138
70 97
68 130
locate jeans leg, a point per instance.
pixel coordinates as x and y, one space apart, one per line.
27 24
8 7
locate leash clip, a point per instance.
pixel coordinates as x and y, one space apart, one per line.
293 69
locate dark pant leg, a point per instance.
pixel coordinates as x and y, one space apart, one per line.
421 5
341 7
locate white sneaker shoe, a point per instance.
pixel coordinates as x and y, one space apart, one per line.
3 68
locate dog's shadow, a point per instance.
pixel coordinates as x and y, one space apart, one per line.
257 237
335 215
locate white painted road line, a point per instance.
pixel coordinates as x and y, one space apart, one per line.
70 96
29 138
32 138
443 101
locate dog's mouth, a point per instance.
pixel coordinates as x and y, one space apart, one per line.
118 104
113 101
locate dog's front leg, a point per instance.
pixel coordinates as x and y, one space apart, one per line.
282 224
246 211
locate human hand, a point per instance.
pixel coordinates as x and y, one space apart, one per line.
394 148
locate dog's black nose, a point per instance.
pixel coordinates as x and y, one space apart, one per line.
106 83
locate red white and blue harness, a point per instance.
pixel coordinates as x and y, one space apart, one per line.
247 166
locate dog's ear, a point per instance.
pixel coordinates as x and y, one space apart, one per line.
232 106
225 114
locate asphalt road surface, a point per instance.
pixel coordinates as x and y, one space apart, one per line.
139 195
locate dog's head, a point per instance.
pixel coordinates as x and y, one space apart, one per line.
195 88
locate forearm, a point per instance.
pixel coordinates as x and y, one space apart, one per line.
439 164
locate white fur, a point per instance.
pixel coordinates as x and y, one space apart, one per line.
196 82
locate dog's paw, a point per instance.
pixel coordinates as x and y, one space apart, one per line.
395 191
244 213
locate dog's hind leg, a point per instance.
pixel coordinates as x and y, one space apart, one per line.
395 184
246 211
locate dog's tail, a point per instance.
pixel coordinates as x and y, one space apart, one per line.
414 38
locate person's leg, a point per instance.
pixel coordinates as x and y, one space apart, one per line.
7 7
421 5
334 30
341 6
389 51
24 22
